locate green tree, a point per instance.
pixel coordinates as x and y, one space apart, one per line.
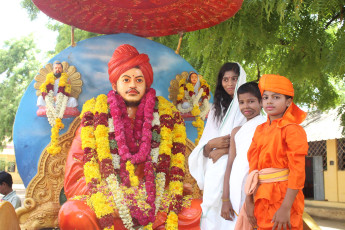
64 38
300 39
18 66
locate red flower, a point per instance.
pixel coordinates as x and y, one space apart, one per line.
101 119
106 167
89 153
106 221
178 148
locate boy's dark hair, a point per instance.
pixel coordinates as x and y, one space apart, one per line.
250 87
6 177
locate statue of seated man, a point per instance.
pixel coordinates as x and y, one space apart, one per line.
194 80
126 165
57 82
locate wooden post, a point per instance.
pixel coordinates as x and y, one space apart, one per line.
177 51
73 44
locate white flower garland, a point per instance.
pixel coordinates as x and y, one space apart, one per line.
58 110
124 212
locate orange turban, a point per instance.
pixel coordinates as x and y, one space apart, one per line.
277 84
126 57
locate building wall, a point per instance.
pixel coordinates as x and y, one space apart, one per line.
334 178
9 158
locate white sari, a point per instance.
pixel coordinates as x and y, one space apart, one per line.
209 175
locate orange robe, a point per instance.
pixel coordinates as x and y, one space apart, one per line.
75 214
282 144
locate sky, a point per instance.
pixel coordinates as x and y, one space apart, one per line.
15 23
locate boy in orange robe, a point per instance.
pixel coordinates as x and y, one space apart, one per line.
277 154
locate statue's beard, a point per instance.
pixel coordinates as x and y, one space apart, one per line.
132 103
57 75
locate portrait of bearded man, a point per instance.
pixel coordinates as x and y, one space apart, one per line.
126 165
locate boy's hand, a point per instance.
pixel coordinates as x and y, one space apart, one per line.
227 210
250 211
281 219
218 153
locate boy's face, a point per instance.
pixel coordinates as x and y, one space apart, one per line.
275 104
250 105
2 188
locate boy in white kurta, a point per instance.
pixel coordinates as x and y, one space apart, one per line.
233 197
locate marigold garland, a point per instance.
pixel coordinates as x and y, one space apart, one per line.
139 200
186 91
55 114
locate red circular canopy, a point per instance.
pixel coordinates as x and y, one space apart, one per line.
140 17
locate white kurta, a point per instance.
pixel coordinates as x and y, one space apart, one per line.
240 166
209 175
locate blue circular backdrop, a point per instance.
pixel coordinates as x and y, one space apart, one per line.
31 134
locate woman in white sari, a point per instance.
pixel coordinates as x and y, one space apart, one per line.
208 160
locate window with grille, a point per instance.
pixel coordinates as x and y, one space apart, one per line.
318 148
341 153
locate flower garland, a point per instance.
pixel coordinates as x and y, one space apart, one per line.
137 202
186 91
55 112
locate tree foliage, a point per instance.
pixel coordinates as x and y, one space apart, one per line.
18 66
300 39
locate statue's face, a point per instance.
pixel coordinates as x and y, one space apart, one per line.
131 86
57 69
193 78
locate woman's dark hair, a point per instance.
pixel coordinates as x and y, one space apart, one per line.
222 99
190 75
250 87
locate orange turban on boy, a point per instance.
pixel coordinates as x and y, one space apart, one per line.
126 57
282 85
277 84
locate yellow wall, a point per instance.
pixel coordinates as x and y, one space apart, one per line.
331 175
15 175
334 178
341 186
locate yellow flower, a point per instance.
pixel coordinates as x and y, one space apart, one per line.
178 160
165 147
180 133
89 106
176 187
111 228
87 137
172 221
91 171
132 177
196 110
68 88
179 97
101 104
148 227
164 106
165 133
63 79
199 124
190 87
100 204
182 81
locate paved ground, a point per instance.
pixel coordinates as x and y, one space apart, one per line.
325 224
